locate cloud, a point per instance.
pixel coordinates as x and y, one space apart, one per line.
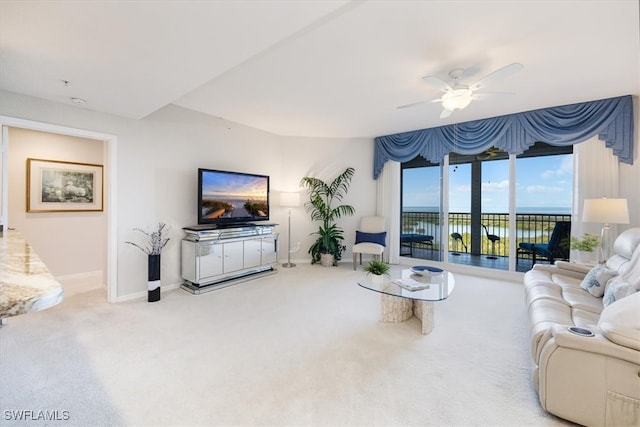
495 186
537 189
564 169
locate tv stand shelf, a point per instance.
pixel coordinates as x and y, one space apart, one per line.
214 257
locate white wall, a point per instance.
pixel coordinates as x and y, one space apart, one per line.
159 155
82 234
325 159
157 162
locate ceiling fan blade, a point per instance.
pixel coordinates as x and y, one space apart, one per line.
437 83
498 74
413 104
445 113
486 95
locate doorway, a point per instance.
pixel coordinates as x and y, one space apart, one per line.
109 148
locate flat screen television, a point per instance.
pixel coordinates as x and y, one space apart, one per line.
229 198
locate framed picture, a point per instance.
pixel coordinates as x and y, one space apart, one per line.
57 186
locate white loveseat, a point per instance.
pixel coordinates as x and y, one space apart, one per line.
591 379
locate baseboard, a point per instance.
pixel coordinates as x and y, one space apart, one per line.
143 294
82 282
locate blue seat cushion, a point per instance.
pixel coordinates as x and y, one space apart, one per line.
416 238
527 246
542 249
379 238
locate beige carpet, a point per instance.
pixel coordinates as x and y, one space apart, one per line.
302 347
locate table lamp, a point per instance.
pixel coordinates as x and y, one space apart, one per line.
290 200
605 211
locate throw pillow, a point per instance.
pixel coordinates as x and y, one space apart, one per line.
617 289
596 279
379 238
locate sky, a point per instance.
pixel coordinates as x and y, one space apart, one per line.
544 183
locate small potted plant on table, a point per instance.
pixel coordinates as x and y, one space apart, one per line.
585 246
378 269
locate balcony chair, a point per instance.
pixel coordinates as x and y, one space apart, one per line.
556 248
493 239
457 237
407 240
371 238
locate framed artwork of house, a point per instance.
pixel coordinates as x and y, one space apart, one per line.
59 186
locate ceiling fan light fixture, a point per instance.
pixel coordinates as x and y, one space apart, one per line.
457 99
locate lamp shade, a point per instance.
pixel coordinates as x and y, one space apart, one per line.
606 211
290 200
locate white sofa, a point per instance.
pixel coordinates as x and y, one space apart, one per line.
592 380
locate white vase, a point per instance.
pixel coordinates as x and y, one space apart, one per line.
586 257
378 279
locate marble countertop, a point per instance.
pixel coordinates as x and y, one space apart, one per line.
26 284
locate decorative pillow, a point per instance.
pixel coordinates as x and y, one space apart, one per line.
379 238
596 279
617 289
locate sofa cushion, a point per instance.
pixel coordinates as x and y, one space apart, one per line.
626 283
580 299
616 289
584 319
620 321
596 279
627 242
617 263
546 291
565 281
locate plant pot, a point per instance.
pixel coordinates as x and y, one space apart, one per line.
326 260
377 279
154 279
586 257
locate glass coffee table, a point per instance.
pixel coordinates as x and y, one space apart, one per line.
410 292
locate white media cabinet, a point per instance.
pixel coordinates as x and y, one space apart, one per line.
214 257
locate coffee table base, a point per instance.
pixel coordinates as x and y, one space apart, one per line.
396 309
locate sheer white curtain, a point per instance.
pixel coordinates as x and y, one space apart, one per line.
595 175
388 206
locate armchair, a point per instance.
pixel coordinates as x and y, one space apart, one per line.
370 238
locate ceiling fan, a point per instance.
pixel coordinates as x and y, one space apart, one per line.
489 153
457 95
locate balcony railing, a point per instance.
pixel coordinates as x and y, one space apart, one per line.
530 227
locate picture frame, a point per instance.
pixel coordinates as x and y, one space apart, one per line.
61 186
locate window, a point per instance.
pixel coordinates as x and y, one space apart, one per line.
420 235
478 211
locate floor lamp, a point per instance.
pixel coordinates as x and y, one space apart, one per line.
289 200
605 211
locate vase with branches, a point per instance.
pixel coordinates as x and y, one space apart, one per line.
324 206
156 241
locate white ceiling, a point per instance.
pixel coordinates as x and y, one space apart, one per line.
317 68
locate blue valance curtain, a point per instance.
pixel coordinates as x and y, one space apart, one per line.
611 119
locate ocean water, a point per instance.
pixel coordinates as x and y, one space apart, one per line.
519 210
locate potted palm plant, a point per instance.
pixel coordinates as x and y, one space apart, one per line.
323 206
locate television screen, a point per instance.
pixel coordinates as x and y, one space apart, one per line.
232 197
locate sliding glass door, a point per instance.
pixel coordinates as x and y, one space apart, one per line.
478 229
